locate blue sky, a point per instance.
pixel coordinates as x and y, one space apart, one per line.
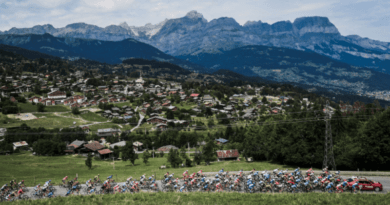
367 18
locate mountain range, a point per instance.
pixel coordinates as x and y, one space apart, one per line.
112 52
293 66
193 34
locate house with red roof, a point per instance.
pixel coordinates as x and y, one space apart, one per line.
193 95
104 153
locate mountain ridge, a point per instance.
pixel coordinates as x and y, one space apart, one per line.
193 33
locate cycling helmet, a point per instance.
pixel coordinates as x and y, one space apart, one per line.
49 180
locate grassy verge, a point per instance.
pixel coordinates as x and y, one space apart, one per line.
38 169
218 198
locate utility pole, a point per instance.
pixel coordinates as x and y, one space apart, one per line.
328 152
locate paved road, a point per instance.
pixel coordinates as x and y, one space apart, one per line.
139 122
384 180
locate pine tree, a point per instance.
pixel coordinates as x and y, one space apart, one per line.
128 153
146 156
88 162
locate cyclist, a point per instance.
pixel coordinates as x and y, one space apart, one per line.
4 188
20 192
329 187
96 178
153 186
206 187
116 188
9 196
200 172
182 188
250 187
276 171
75 185
21 183
50 195
69 192
166 175
64 179
354 185
109 178
37 188
89 183
185 174
128 180
218 187
221 171
92 190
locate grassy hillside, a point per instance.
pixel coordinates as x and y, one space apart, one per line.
42 168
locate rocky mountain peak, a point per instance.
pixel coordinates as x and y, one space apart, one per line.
194 15
314 24
124 25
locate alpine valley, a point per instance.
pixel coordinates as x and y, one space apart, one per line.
308 51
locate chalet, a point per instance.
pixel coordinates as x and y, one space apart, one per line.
104 154
146 104
137 145
161 127
73 105
221 141
115 115
227 155
75 147
113 100
115 109
166 104
208 98
194 95
107 132
35 99
93 147
172 108
103 100
157 120
57 95
122 99
143 110
166 148
157 109
48 102
20 145
276 110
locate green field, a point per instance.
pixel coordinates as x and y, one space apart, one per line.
218 198
51 121
28 107
91 116
88 116
38 169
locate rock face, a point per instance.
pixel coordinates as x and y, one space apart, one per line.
193 34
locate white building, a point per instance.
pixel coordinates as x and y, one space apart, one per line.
139 82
